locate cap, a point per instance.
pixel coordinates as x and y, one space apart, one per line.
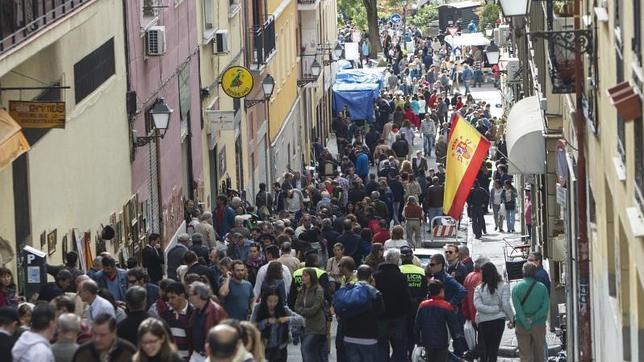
406 250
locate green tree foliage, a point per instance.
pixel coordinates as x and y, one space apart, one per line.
352 12
424 15
488 15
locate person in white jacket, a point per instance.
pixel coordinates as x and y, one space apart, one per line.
33 345
493 309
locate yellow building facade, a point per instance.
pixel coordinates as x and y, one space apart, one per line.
77 177
224 135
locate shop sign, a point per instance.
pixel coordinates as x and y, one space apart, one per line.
38 114
237 81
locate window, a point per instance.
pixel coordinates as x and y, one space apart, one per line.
93 70
625 290
208 15
184 98
149 13
621 131
637 31
639 161
610 242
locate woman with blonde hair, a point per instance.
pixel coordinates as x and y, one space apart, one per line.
253 341
154 343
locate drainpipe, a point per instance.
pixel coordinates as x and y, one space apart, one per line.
583 289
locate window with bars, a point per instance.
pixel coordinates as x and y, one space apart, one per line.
637 31
621 131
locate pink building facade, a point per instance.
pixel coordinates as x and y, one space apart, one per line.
165 172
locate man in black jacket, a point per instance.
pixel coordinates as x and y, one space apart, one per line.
135 298
361 331
392 283
398 192
153 260
350 241
476 205
175 255
400 148
8 324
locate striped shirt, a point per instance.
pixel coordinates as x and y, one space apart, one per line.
179 325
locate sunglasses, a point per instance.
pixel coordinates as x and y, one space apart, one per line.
449 252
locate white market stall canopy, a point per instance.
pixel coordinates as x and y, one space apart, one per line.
524 136
467 40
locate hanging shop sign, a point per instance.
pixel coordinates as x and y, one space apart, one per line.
38 114
237 81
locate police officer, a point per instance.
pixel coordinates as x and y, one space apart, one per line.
476 205
417 286
310 262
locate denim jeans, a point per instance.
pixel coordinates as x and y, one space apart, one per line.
466 83
314 348
393 332
432 212
360 352
396 212
428 143
509 215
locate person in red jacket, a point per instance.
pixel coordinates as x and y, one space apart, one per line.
206 315
472 280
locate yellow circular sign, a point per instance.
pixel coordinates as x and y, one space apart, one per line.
237 81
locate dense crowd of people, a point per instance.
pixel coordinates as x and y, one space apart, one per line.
331 244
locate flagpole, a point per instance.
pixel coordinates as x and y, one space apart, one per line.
508 158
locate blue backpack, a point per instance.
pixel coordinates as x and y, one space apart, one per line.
352 300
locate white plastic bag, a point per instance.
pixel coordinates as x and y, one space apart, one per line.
470 335
502 210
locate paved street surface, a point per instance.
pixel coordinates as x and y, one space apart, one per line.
491 244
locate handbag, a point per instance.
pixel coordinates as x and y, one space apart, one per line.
502 211
470 335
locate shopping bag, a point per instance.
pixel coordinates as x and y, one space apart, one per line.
502 210
470 335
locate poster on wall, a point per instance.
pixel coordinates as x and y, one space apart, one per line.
64 248
51 242
222 160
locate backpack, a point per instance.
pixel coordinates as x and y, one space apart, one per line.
352 300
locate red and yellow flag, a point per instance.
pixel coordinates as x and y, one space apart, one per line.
466 151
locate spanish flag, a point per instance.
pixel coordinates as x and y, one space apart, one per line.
466 151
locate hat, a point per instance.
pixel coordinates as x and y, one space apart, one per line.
406 250
108 233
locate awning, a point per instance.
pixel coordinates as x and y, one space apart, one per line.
12 142
524 137
467 40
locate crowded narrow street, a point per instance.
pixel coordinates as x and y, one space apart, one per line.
321 180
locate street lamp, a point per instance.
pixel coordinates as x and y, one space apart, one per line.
337 51
492 53
515 7
489 30
160 113
268 85
316 68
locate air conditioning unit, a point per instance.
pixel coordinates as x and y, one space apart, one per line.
220 42
155 41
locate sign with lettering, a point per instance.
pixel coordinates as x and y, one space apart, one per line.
38 114
237 81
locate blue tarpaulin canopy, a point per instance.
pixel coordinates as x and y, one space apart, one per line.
357 89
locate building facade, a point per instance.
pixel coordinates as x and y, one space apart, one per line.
587 202
318 35
225 136
77 178
163 65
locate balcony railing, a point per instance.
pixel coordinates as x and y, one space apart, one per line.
263 39
22 19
